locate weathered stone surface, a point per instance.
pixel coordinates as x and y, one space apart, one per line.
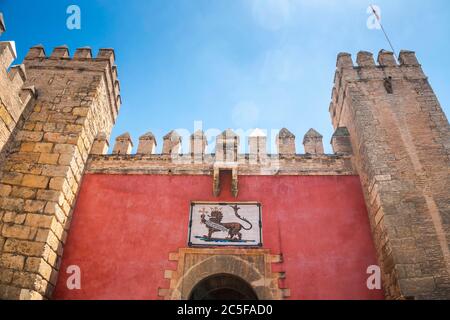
172 144
123 145
147 144
400 140
13 99
313 142
227 146
257 146
286 143
16 231
100 145
199 144
341 142
386 114
12 261
194 265
34 181
273 164
47 150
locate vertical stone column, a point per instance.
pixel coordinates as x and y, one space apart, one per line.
123 145
401 143
77 99
172 144
101 145
313 142
227 146
341 142
147 144
286 143
257 145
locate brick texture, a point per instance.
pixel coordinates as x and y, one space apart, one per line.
78 99
390 129
401 143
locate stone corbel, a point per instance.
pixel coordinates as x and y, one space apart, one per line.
234 182
233 167
216 182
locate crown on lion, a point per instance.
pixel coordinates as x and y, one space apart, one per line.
216 210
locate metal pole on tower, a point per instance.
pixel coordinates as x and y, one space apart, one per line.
383 29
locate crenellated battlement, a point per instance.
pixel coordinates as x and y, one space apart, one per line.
367 69
81 54
227 145
82 60
385 59
57 112
226 156
386 72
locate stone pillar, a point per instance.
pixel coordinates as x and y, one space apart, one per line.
41 176
313 142
257 145
365 59
400 140
101 144
123 145
172 144
147 144
83 53
286 143
199 143
341 141
227 146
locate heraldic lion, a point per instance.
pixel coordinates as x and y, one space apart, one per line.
214 224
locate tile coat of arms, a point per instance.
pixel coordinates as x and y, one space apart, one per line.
225 224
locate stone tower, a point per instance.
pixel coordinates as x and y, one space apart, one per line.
53 107
401 143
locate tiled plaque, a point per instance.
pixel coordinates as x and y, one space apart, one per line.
225 224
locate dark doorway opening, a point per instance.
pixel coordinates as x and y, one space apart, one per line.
223 287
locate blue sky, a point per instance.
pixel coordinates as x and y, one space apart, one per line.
233 63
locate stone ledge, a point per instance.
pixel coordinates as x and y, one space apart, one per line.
186 165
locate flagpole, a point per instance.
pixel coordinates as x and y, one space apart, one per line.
384 31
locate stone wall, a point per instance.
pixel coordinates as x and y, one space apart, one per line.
78 98
401 143
14 95
273 165
54 109
317 223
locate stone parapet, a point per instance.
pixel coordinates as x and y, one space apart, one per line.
274 165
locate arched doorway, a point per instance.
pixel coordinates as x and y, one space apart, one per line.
223 287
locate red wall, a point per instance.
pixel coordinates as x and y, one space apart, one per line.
124 227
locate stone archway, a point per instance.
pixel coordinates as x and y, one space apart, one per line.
223 287
253 266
